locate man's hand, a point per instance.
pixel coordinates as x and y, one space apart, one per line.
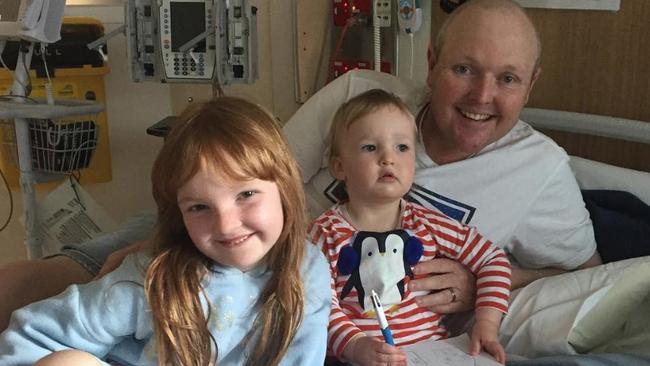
452 286
369 351
117 257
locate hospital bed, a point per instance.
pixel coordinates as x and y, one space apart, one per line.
600 311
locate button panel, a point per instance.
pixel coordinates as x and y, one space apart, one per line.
186 65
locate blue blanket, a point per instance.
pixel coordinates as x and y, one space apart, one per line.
621 224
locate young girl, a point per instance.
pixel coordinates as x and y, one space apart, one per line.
230 279
370 240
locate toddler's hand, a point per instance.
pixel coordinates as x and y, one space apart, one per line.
369 351
484 335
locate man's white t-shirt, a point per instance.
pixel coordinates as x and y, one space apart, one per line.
518 191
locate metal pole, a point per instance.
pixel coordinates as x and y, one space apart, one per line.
33 239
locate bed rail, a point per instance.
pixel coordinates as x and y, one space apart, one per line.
588 124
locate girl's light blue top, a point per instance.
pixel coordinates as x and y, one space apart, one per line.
111 319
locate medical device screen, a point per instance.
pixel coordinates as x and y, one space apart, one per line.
188 21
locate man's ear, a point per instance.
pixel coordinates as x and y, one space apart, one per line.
431 57
336 168
532 82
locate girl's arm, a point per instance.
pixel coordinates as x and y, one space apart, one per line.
92 317
28 281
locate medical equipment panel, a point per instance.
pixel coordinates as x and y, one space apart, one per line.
187 40
192 40
237 42
141 31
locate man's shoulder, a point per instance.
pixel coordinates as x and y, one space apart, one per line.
522 146
523 133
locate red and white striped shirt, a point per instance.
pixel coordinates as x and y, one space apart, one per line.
441 236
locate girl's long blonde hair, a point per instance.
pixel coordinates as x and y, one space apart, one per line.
210 133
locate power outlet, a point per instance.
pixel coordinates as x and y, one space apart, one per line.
381 10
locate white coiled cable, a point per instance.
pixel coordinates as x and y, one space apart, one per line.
377 43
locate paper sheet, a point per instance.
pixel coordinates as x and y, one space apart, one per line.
69 215
448 352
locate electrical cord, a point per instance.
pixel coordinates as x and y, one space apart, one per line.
73 185
28 86
3 43
2 60
48 87
76 174
217 90
376 41
11 201
411 55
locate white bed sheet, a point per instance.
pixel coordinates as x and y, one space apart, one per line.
545 315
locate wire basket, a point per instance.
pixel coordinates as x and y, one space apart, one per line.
60 146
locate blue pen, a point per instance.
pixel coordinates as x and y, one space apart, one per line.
381 317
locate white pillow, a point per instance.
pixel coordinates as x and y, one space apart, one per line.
595 175
308 128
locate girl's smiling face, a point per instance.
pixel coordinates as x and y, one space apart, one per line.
234 222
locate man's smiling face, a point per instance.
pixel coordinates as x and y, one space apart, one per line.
481 78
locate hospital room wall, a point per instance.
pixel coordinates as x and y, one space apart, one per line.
594 62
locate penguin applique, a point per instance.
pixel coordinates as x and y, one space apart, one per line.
380 262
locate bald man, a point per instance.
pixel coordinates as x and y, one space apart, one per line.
483 66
